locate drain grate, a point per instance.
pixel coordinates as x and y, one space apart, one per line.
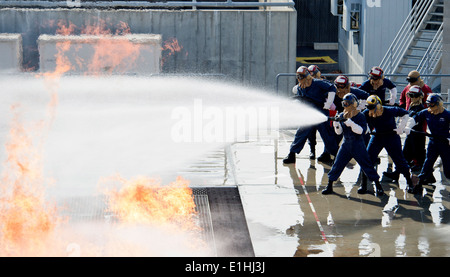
204 218
220 217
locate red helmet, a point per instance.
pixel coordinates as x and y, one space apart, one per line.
414 92
313 69
302 72
341 81
376 73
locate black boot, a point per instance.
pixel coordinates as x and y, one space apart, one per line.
328 189
312 155
325 158
394 175
363 188
290 159
380 191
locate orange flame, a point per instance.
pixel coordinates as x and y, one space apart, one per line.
170 47
26 219
143 200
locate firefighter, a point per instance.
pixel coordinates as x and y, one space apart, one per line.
414 146
438 121
382 120
319 94
343 87
377 85
316 74
314 70
353 126
414 80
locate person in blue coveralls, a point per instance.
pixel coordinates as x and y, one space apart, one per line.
314 70
378 84
344 86
386 134
320 95
353 125
414 146
438 121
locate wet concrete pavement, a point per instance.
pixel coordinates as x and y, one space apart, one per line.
288 216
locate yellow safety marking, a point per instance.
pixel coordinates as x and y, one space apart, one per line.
315 60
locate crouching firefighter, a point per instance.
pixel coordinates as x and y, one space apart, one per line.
353 125
382 120
438 121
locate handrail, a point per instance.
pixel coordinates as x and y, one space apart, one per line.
433 54
413 23
365 75
140 4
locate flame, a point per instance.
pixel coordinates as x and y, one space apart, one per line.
170 47
143 200
26 218
29 223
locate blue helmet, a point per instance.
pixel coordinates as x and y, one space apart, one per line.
349 99
434 99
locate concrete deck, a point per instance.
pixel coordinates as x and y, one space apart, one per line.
288 216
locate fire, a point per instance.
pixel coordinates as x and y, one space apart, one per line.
29 223
142 200
26 219
170 47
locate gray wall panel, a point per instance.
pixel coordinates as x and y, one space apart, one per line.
250 46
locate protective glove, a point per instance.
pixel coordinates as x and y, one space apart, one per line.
337 127
393 98
407 130
391 101
333 107
399 131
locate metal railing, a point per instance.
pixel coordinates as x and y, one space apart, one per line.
414 23
142 4
446 95
432 57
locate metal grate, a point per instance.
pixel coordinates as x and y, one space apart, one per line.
204 218
94 209
220 216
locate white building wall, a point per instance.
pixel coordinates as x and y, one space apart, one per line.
380 22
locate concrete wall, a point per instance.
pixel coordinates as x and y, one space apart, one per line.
445 83
248 46
379 26
10 53
92 54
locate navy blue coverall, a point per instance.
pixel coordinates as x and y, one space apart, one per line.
353 146
438 144
381 91
385 137
316 95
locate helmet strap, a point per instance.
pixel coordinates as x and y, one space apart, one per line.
438 109
416 101
377 112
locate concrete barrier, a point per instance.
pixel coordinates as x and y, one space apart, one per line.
94 54
250 47
10 53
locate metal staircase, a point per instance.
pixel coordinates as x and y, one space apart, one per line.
418 44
